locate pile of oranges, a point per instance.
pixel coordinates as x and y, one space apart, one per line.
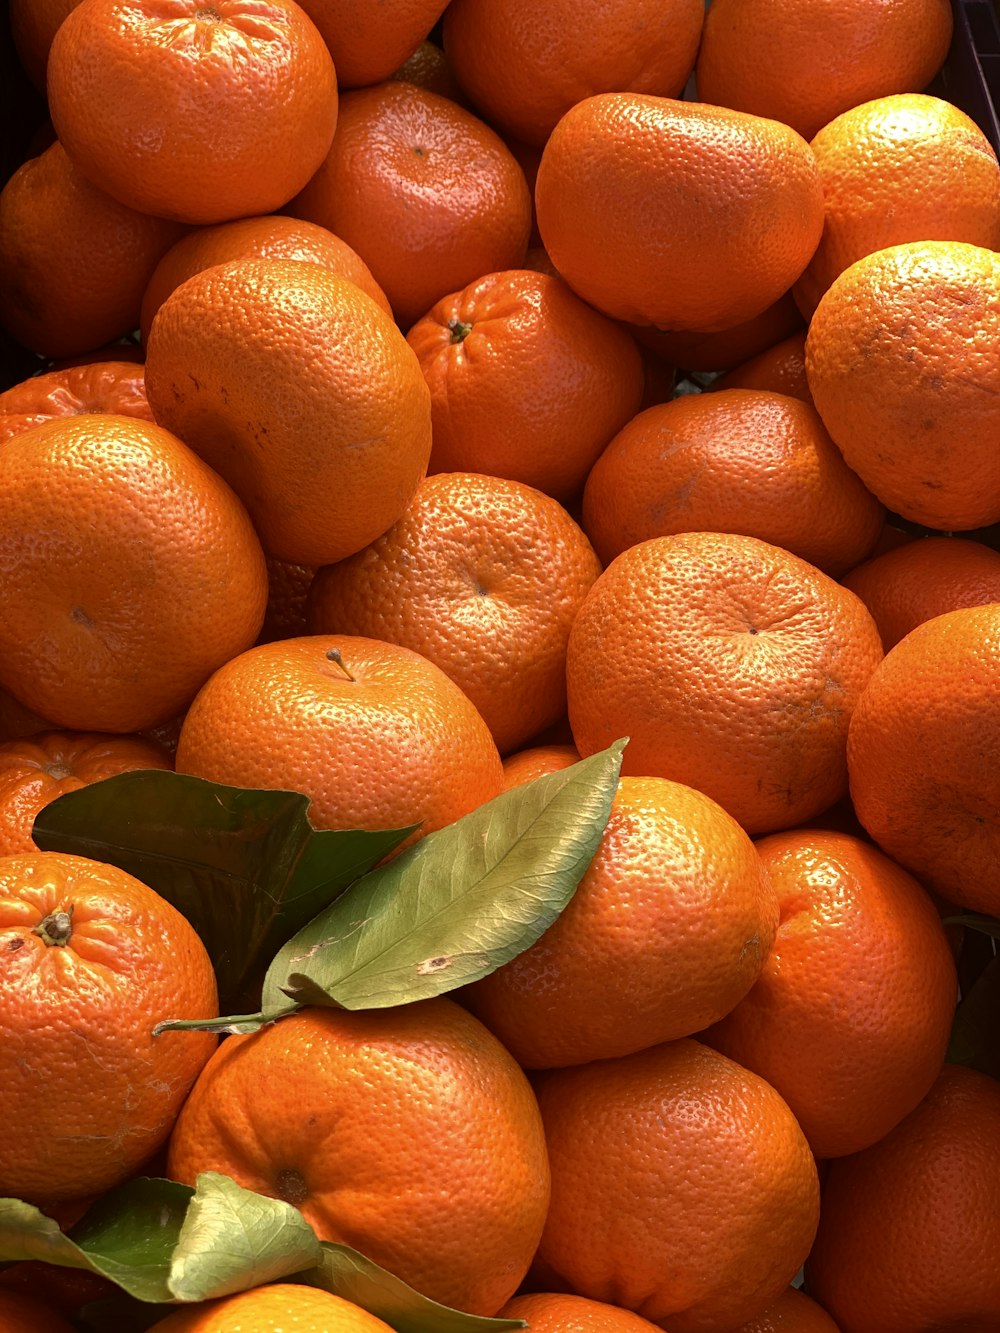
426 395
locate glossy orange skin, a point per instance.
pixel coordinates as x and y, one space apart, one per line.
792 1312
850 1017
806 61
73 261
559 1312
744 460
484 578
535 762
399 744
731 664
22 1313
666 932
93 637
729 347
780 369
412 1136
677 214
909 1236
273 237
33 24
92 1091
100 386
682 1187
920 780
902 168
37 769
369 41
274 1308
426 193
524 65
189 111
536 386
300 391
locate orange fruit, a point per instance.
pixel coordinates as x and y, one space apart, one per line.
23 1313
199 112
527 382
428 195
561 1312
700 351
275 1308
535 762
918 580
17 721
806 61
91 960
273 237
682 1187
780 369
375 735
293 385
66 1290
33 24
118 387
412 1136
130 571
73 261
917 751
901 168
743 460
428 68
524 65
792 1312
909 1235
36 769
666 932
368 42
484 578
915 414
677 214
732 665
287 592
850 1017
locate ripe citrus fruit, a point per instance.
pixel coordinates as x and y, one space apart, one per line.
22 1313
118 387
90 961
559 1312
535 762
734 667
375 735
33 24
792 1312
130 571
780 369
677 214
915 413
729 347
302 393
851 1014
909 1235
682 1186
427 66
287 592
193 111
368 42
277 1308
527 382
483 577
412 1135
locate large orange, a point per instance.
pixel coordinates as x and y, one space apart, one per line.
919 748
118 387
90 961
909 1236
412 1135
199 112
851 1014
369 41
806 61
483 577
527 382
677 214
781 368
792 1312
915 411
732 665
682 1186
376 735
128 572
73 261
561 1312
300 391
278 1308
742 460
666 932
524 65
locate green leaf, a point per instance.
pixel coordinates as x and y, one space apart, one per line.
975 1033
457 904
245 867
986 925
346 1273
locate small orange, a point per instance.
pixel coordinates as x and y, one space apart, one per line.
287 592
700 351
781 369
535 762
792 1312
428 68
368 41
560 1312
278 1308
33 24
98 386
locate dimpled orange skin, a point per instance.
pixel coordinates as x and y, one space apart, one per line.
682 1186
99 386
850 1018
92 1091
281 1307
918 752
559 1312
412 1136
368 42
128 572
903 362
732 665
190 111
792 1312
302 393
678 214
399 744
781 369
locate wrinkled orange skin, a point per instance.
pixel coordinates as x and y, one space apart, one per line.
273 1309
780 369
98 386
